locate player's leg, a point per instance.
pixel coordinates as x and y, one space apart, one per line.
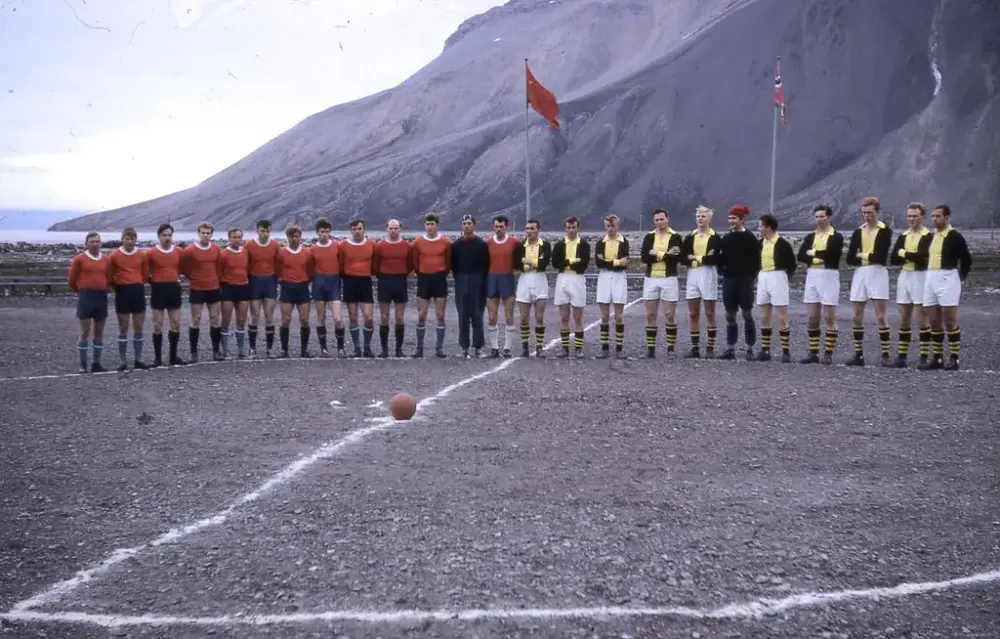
253 316
194 328
97 344
604 310
124 320
651 300
540 304
619 327
709 288
215 326
935 321
228 308
157 314
766 331
302 309
423 306
462 292
83 344
286 322
565 315
242 307
669 295
439 293
270 303
832 331
524 306
882 325
813 318
399 313
510 325
858 332
905 334
384 315
950 296
368 318
478 305
925 330
337 307
694 321
354 327
578 318
731 303
746 309
320 308
493 317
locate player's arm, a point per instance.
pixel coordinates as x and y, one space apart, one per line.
559 256
518 257
853 248
623 252
73 278
599 258
544 255
647 255
279 264
311 265
583 255
962 253
923 254
447 256
688 258
834 250
883 241
788 257
678 257
897 257
144 266
805 256
220 264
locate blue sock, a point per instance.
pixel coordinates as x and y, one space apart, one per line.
225 340
137 341
240 336
81 349
122 349
98 349
732 334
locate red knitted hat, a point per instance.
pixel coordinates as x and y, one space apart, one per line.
740 211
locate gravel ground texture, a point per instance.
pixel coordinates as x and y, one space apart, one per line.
569 484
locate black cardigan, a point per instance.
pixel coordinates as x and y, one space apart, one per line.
918 258
880 252
607 264
582 254
830 255
672 261
544 256
784 256
955 254
711 257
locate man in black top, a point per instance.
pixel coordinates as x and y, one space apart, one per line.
739 263
470 261
948 264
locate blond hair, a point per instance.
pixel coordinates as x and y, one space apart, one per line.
704 209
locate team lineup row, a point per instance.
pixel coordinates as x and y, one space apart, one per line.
245 280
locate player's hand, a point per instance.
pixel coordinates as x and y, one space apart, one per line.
600 256
675 250
901 253
811 253
624 261
860 255
574 260
653 253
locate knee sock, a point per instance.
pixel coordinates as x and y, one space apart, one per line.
525 334
224 340
539 335
400 334
240 341
494 332
619 336
215 333
564 338
304 338
938 338
903 347
252 333
712 332
884 338
814 335
193 335
440 336
321 336
651 333
369 331
859 341
695 336
157 347
785 335
765 338
123 349
356 337
671 336
831 340
338 333
383 337
269 337
925 342
421 332
173 343
283 333
955 341
510 337
81 350
578 340
98 346
605 336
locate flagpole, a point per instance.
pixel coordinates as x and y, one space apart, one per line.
527 155
774 150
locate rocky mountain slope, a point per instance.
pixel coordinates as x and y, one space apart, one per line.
662 103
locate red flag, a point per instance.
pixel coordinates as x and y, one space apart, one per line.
779 91
542 100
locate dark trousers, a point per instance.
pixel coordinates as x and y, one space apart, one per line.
737 294
470 300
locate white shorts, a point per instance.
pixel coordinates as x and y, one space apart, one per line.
870 283
702 282
910 287
532 287
942 288
612 287
665 289
571 288
822 287
772 288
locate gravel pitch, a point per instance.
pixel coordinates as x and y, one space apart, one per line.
546 484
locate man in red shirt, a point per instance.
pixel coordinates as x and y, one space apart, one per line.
393 264
326 284
358 257
262 252
295 270
432 262
165 294
200 262
501 287
234 268
89 278
129 272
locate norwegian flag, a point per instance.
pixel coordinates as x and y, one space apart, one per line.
779 91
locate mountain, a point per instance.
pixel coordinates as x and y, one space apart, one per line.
662 104
33 219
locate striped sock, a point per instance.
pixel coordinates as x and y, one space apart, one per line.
955 341
938 339
814 335
903 348
765 338
831 340
925 342
785 334
712 332
578 340
859 341
885 339
671 336
564 338
619 336
525 334
605 336
695 339
540 335
651 332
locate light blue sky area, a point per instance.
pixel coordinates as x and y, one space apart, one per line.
111 102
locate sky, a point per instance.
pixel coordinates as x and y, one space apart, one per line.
105 103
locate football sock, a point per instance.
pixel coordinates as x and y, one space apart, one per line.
494 331
173 341
619 335
712 332
81 350
651 332
252 333
510 337
269 337
884 338
123 349
356 337
98 347
925 342
540 336
400 335
383 336
525 334
321 336
564 338
605 336
158 347
671 330
240 341
304 338
814 335
905 335
859 341
215 334
765 338
193 334
421 331
369 331
785 335
831 340
938 338
695 339
283 333
338 333
955 341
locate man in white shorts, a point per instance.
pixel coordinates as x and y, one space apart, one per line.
777 266
531 258
910 254
570 258
869 252
661 253
948 264
700 250
611 258
820 252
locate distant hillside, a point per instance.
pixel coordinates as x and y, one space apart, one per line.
663 103
33 219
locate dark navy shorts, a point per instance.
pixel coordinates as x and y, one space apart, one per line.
392 289
500 285
165 296
235 292
130 299
357 289
92 303
432 285
294 293
263 287
326 288
205 297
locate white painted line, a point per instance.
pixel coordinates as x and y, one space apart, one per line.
295 468
755 609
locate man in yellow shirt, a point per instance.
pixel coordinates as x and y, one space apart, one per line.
570 258
700 252
868 251
910 254
531 258
948 264
611 257
661 253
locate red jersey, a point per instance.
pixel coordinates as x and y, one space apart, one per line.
502 254
295 265
263 257
432 255
327 258
393 258
129 268
199 264
356 258
164 265
89 272
234 266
